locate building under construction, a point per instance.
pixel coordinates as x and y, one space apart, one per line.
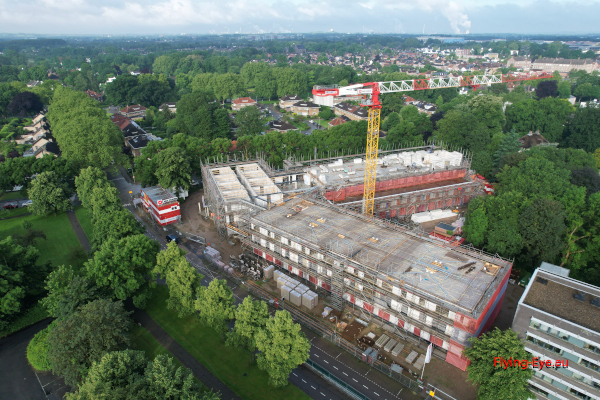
306 219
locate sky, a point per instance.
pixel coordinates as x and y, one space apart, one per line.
124 17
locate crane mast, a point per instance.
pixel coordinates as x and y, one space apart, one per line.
374 89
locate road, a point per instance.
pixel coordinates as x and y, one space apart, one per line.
344 366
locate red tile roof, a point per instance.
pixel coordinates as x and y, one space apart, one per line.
133 108
243 100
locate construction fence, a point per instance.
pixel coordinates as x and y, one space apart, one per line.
314 324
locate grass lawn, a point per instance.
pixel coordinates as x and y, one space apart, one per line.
226 363
85 220
29 317
21 194
303 126
143 340
61 245
14 212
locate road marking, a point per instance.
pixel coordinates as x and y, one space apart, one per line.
367 372
316 355
313 387
376 393
294 374
365 387
335 367
354 380
304 381
326 361
322 393
345 373
338 355
399 392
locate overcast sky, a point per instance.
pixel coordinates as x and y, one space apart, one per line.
262 16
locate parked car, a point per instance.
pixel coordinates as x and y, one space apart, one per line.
27 203
9 206
172 238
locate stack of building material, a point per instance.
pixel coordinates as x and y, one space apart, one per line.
295 298
419 363
381 341
397 369
411 357
281 283
390 345
397 349
285 292
301 288
220 264
445 229
212 254
310 299
268 271
326 311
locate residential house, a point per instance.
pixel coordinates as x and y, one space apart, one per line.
558 319
299 49
305 108
94 95
42 145
31 84
286 102
533 139
172 107
565 65
338 121
136 144
281 126
136 111
355 113
519 62
242 102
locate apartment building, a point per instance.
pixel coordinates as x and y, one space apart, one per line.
558 318
355 113
564 65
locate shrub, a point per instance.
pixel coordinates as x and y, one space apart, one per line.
37 350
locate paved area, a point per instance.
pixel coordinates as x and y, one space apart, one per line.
19 201
18 379
81 236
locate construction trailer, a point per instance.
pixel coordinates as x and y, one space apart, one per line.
161 204
417 287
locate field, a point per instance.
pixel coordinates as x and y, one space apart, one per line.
14 212
85 220
231 365
61 245
21 194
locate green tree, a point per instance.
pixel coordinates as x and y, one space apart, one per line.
462 128
18 272
249 121
88 179
488 110
251 317
550 115
584 129
79 292
168 381
182 279
476 228
117 224
564 89
222 123
173 170
265 85
215 305
123 266
282 347
85 336
118 375
227 86
37 350
510 144
541 226
486 370
57 283
586 91
49 194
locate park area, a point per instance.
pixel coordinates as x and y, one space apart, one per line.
231 365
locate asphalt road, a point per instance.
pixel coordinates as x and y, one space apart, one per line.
18 201
359 376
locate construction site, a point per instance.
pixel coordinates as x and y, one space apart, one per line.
418 284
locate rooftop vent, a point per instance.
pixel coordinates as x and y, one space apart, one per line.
579 296
596 302
542 281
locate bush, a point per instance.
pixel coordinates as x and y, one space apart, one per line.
37 350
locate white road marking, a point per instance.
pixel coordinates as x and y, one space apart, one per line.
365 387
345 373
326 361
322 393
316 355
294 374
304 381
313 387
376 393
335 367
354 380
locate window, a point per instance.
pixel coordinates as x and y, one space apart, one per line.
538 390
544 345
589 364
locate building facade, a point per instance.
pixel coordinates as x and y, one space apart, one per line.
565 65
242 102
558 318
286 102
305 108
355 113
161 204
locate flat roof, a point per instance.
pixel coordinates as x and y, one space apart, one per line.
389 166
457 278
156 193
228 185
256 179
554 294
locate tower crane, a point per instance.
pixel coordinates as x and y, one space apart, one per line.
374 89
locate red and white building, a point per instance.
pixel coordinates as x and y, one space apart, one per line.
162 204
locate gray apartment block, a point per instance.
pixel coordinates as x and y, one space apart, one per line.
558 318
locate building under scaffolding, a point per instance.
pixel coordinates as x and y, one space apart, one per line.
306 219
